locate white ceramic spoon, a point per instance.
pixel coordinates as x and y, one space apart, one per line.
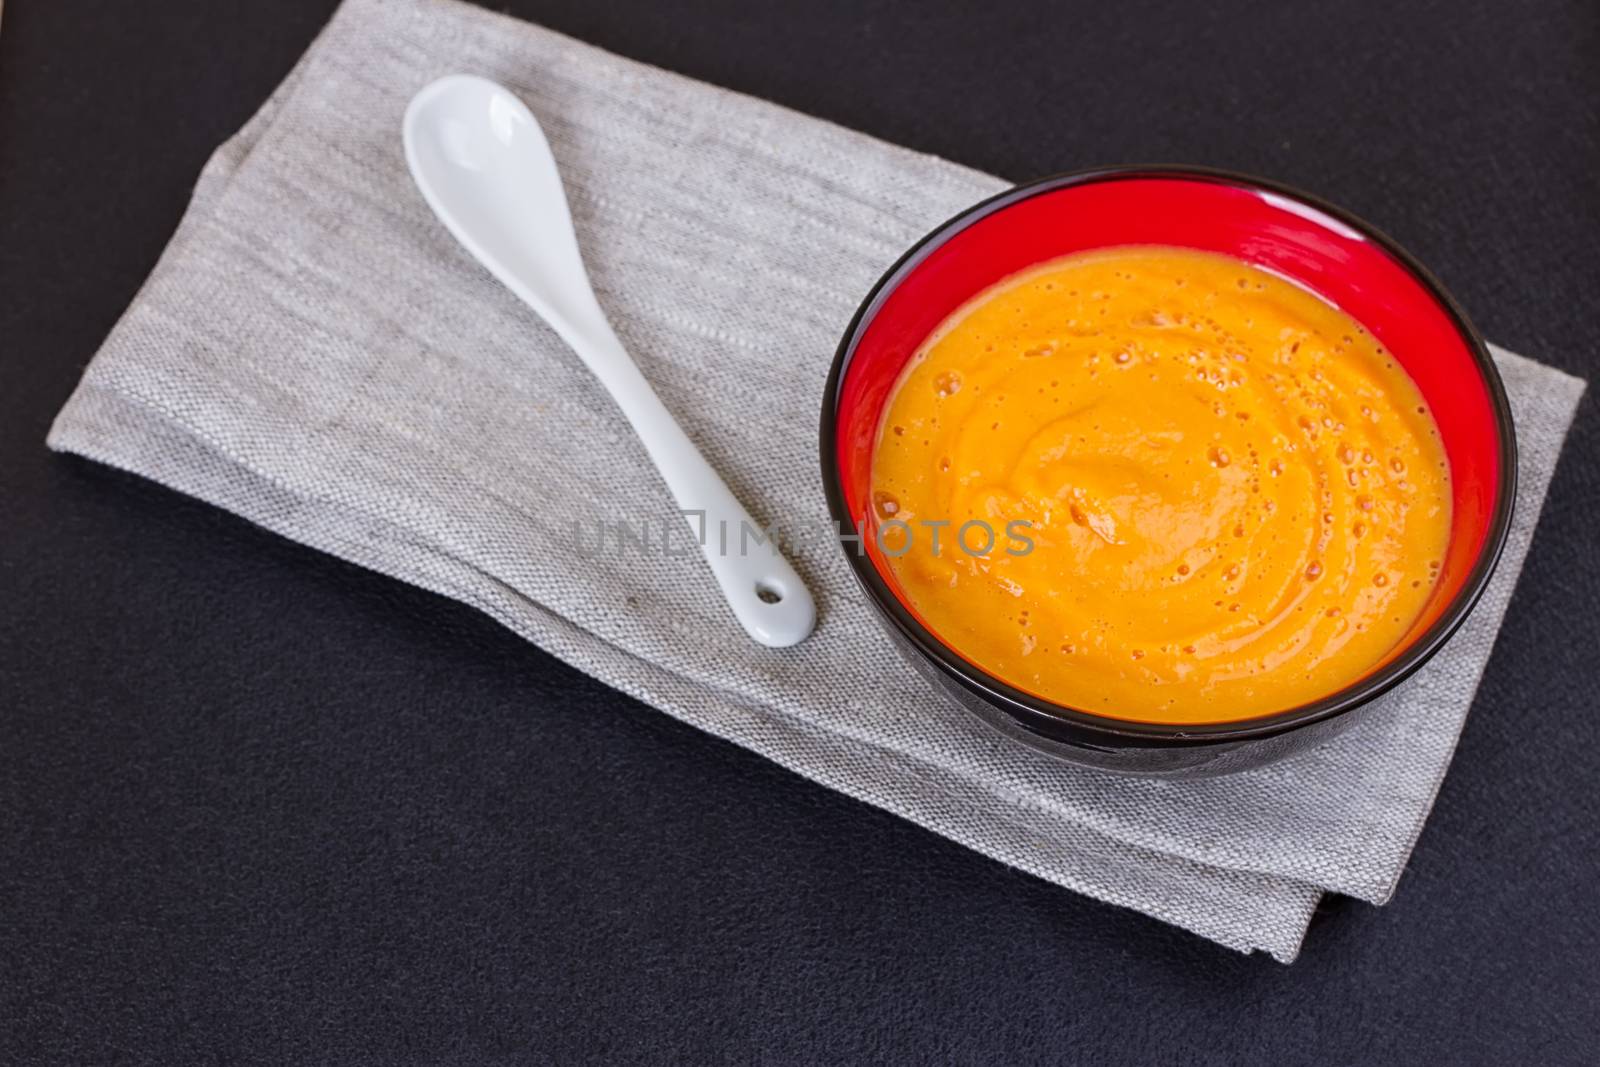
484 166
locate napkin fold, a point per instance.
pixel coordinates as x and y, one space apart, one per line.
315 353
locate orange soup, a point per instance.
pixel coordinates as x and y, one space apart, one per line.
1161 485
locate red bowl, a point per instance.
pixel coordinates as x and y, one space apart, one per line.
1327 250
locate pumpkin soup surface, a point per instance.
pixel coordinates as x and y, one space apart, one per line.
1212 495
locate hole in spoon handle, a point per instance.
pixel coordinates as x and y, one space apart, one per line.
766 595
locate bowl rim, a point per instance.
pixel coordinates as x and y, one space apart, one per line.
1064 722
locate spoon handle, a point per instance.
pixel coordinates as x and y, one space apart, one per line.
768 598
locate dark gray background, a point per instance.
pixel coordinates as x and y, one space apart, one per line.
257 805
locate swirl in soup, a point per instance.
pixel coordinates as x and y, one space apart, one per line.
1227 499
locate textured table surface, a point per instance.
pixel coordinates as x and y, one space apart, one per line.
257 805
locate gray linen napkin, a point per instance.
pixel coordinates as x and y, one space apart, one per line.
313 352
